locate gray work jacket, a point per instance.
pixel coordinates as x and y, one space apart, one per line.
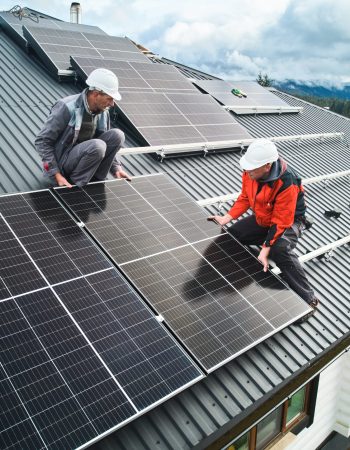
61 130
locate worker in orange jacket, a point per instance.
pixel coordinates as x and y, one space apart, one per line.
275 194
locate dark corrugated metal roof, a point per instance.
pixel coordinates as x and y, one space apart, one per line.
184 421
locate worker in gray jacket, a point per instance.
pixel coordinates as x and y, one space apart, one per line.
76 143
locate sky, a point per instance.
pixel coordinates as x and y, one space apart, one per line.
307 40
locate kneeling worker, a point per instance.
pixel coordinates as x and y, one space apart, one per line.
274 192
76 143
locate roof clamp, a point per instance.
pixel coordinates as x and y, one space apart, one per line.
205 150
220 206
242 149
328 255
159 318
81 224
322 138
326 182
299 142
161 155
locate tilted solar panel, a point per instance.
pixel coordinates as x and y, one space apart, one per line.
244 97
55 47
80 352
210 290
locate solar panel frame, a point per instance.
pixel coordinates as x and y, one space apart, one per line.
263 310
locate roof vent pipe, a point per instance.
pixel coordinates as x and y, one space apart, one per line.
75 12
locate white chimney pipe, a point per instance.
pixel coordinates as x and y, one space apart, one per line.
75 12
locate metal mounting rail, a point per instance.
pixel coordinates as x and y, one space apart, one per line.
324 250
240 109
205 147
229 197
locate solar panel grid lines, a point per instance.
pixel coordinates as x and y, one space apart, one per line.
255 96
61 344
55 47
211 292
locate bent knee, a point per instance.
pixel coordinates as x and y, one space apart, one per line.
118 135
97 148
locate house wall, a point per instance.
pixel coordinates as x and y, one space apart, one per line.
331 406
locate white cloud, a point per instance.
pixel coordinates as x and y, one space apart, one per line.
236 38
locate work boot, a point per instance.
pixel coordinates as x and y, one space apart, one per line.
314 305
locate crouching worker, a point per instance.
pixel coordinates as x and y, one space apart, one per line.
275 194
76 143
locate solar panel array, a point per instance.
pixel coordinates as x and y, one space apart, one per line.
176 118
256 95
211 292
80 353
138 76
13 26
55 47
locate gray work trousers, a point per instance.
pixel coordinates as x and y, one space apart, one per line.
93 158
248 232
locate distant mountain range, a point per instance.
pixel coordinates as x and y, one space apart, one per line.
314 89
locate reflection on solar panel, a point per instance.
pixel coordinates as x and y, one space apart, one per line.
255 98
80 353
211 292
56 47
138 76
13 26
174 118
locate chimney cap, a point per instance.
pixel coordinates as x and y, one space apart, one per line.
75 4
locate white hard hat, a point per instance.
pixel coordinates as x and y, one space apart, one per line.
259 152
106 81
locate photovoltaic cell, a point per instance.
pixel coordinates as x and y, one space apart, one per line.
177 118
13 26
55 47
80 353
211 292
256 95
138 75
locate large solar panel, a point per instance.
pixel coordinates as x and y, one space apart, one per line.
13 26
210 290
177 118
138 76
80 352
257 99
55 47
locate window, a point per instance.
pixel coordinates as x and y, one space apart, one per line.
280 421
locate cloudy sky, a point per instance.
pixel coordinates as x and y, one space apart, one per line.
234 39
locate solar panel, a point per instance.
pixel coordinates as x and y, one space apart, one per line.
210 290
176 118
55 47
255 98
80 352
13 26
138 75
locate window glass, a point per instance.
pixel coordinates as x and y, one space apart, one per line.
268 428
241 444
296 405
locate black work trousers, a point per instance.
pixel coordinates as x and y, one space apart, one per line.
248 232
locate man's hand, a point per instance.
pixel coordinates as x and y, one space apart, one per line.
263 257
221 220
122 174
61 181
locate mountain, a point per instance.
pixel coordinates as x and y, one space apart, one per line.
298 88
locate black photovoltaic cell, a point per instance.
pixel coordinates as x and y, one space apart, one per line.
134 76
175 118
81 353
210 290
129 225
256 94
60 249
56 46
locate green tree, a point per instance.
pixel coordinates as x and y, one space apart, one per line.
264 80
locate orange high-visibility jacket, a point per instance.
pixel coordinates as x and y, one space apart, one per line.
276 201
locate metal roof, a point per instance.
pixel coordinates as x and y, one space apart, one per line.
224 396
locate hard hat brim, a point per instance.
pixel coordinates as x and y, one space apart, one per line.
246 165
